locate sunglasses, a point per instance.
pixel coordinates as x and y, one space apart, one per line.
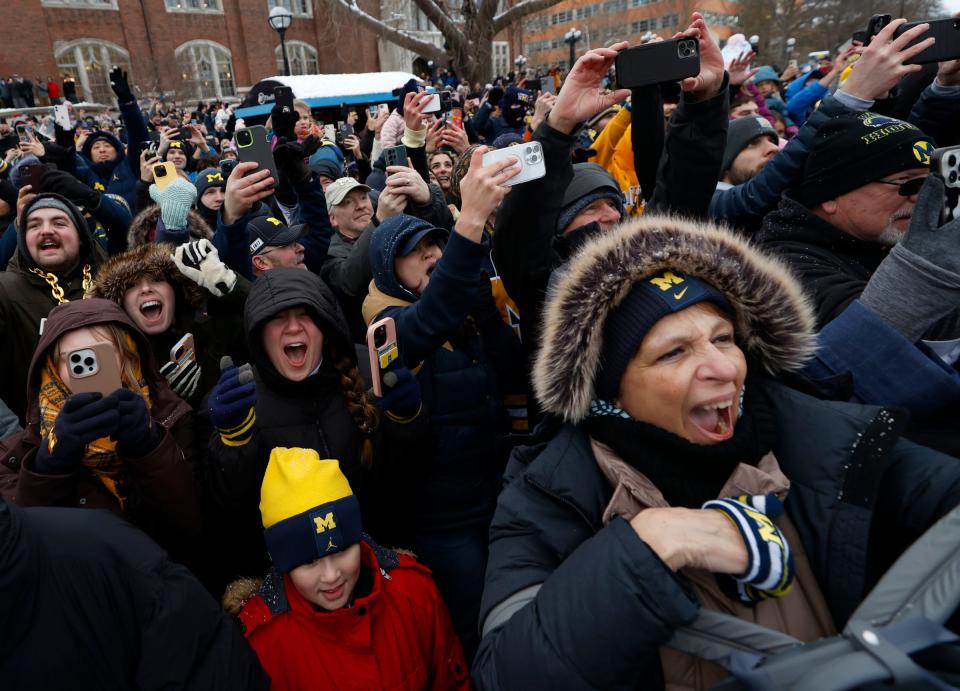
908 188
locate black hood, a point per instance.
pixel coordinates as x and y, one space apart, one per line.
20 562
280 289
90 249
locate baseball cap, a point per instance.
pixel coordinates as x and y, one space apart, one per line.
339 188
410 242
268 231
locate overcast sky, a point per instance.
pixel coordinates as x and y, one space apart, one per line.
952 5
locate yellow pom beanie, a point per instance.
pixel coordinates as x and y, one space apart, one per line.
307 507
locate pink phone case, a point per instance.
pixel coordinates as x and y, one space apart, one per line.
380 358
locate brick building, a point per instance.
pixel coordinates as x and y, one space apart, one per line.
603 22
194 48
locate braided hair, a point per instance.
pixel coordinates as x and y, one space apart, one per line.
361 409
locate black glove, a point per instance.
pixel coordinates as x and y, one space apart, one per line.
485 308
136 434
283 122
66 185
120 85
84 418
494 96
291 158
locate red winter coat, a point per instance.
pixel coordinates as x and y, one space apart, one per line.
398 637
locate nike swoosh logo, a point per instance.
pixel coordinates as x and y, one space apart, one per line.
679 296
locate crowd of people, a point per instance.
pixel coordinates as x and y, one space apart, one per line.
360 422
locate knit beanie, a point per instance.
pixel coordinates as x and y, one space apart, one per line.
853 150
507 139
591 181
648 301
207 178
741 132
48 200
307 507
327 167
97 136
185 147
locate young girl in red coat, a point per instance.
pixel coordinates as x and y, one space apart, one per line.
336 610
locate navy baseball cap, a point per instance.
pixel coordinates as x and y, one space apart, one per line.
268 231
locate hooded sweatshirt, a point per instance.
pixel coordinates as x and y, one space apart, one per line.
161 494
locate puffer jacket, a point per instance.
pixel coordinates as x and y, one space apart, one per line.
162 496
396 635
461 363
572 601
25 300
310 414
120 175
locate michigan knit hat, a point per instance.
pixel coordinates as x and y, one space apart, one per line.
207 178
741 132
307 507
853 150
648 301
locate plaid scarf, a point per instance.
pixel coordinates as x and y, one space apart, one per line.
100 457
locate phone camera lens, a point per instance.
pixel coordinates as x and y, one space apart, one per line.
75 358
89 361
953 176
78 370
380 336
952 160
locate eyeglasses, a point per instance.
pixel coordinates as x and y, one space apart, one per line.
907 188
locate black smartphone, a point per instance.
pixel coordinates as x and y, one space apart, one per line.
252 145
658 63
946 47
185 133
283 96
945 163
395 155
446 101
227 165
25 133
31 175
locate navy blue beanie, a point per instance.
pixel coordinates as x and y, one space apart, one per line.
98 136
648 301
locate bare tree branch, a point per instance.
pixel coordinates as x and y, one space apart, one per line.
442 21
401 38
518 12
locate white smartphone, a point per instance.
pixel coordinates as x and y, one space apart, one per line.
433 105
61 116
530 157
330 133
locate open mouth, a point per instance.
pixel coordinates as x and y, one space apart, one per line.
333 594
49 244
714 420
152 310
296 353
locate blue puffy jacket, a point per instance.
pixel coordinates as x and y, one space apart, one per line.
120 175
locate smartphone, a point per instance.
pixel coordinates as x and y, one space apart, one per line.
382 346
31 175
252 145
372 111
395 155
185 133
345 130
61 116
446 101
793 63
227 165
433 105
657 63
947 44
548 86
24 134
456 117
330 132
150 147
94 369
163 174
945 163
183 352
384 108
530 156
283 96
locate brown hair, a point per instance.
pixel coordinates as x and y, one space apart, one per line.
361 409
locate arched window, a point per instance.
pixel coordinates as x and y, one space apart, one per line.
302 57
89 62
206 70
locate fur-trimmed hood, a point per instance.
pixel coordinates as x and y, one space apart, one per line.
143 228
774 322
123 271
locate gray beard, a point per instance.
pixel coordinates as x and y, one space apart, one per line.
890 236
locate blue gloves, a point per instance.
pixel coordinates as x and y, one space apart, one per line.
84 418
136 434
770 565
401 395
232 403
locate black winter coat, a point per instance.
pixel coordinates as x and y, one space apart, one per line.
592 604
89 603
833 266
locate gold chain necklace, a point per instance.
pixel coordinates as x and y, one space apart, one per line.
56 290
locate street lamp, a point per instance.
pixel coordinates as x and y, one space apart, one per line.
280 18
571 38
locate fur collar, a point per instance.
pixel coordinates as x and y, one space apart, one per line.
774 320
145 223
